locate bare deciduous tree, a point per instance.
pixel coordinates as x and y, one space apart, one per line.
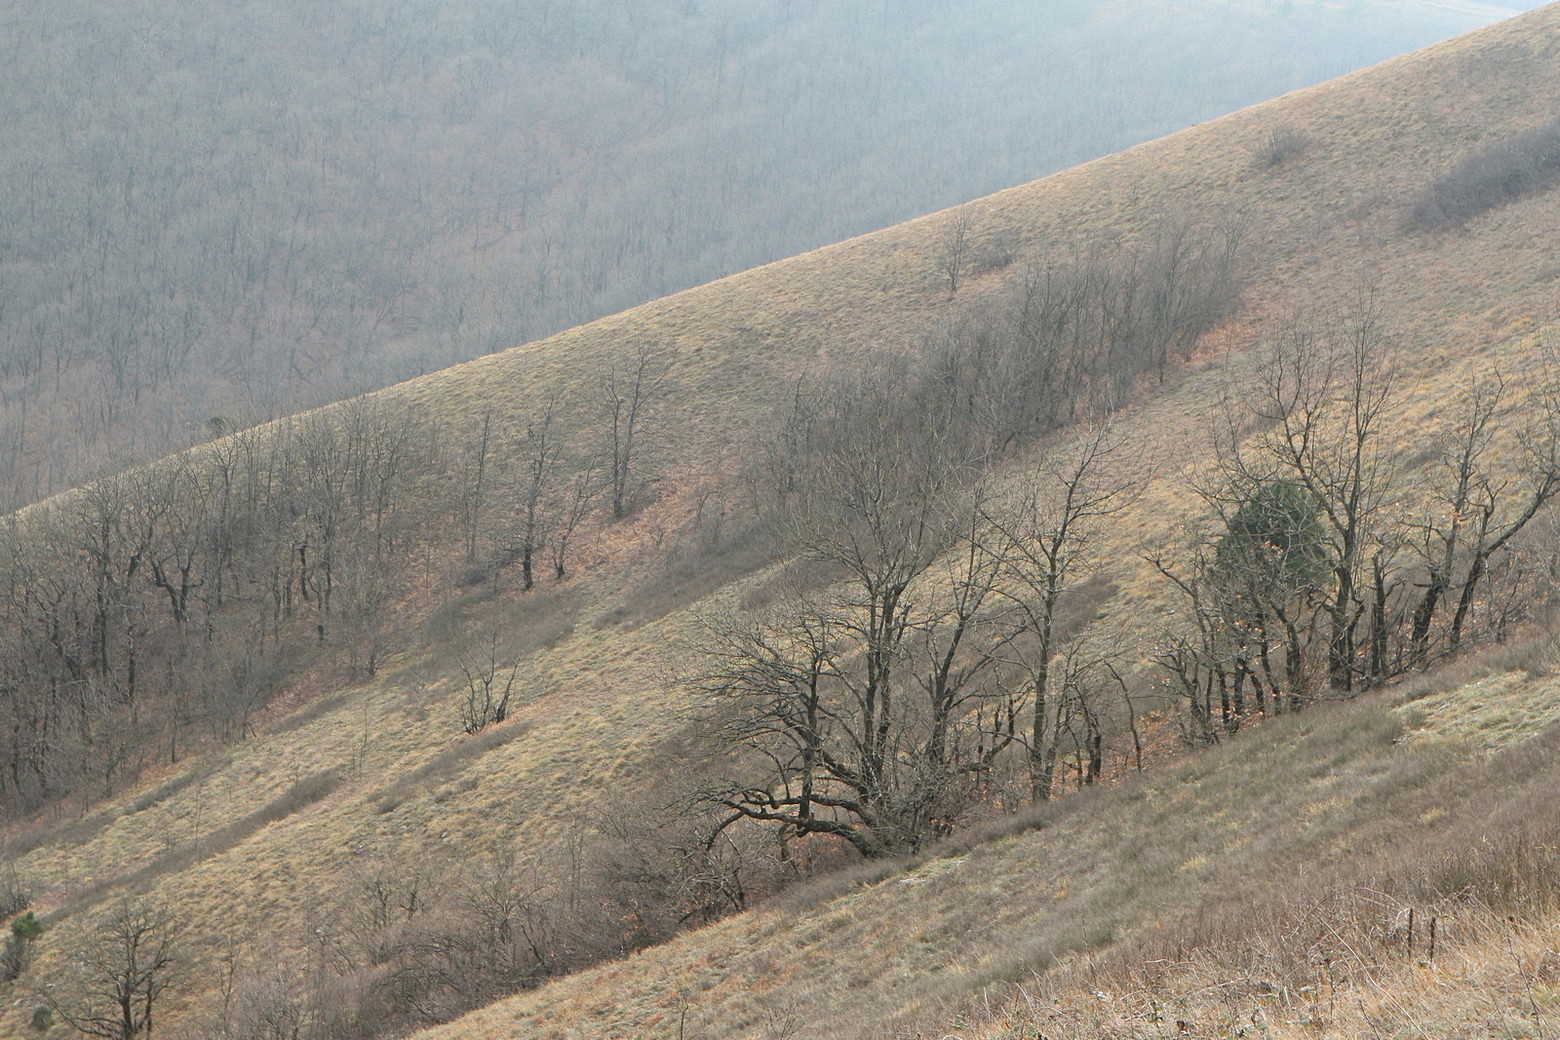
953 254
629 392
122 970
578 499
1324 398
1046 545
473 478
871 703
485 700
542 454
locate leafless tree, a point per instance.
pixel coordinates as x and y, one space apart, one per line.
122 971
954 245
264 1006
578 499
871 703
485 700
473 476
630 389
541 458
1496 510
1046 545
1323 397
14 896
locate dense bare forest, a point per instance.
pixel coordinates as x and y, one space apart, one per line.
214 214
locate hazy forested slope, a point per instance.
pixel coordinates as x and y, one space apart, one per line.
234 210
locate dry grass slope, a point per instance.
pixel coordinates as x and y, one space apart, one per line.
1230 866
1133 867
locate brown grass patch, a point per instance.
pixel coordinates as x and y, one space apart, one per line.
702 563
182 782
445 765
295 799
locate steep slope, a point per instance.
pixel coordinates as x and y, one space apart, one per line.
259 848
1233 875
883 960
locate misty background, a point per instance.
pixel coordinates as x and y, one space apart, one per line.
215 213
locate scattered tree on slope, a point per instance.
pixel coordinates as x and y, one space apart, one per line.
122 973
1322 559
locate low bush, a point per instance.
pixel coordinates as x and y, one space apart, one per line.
444 765
16 955
1493 176
1279 145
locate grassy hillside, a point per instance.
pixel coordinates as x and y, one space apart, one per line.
1208 891
265 850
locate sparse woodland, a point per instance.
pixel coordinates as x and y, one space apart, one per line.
936 671
914 532
883 703
1326 573
168 604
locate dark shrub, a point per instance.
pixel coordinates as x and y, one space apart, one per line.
1495 175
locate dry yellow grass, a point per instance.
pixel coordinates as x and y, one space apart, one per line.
1498 978
1164 866
1099 870
1490 712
